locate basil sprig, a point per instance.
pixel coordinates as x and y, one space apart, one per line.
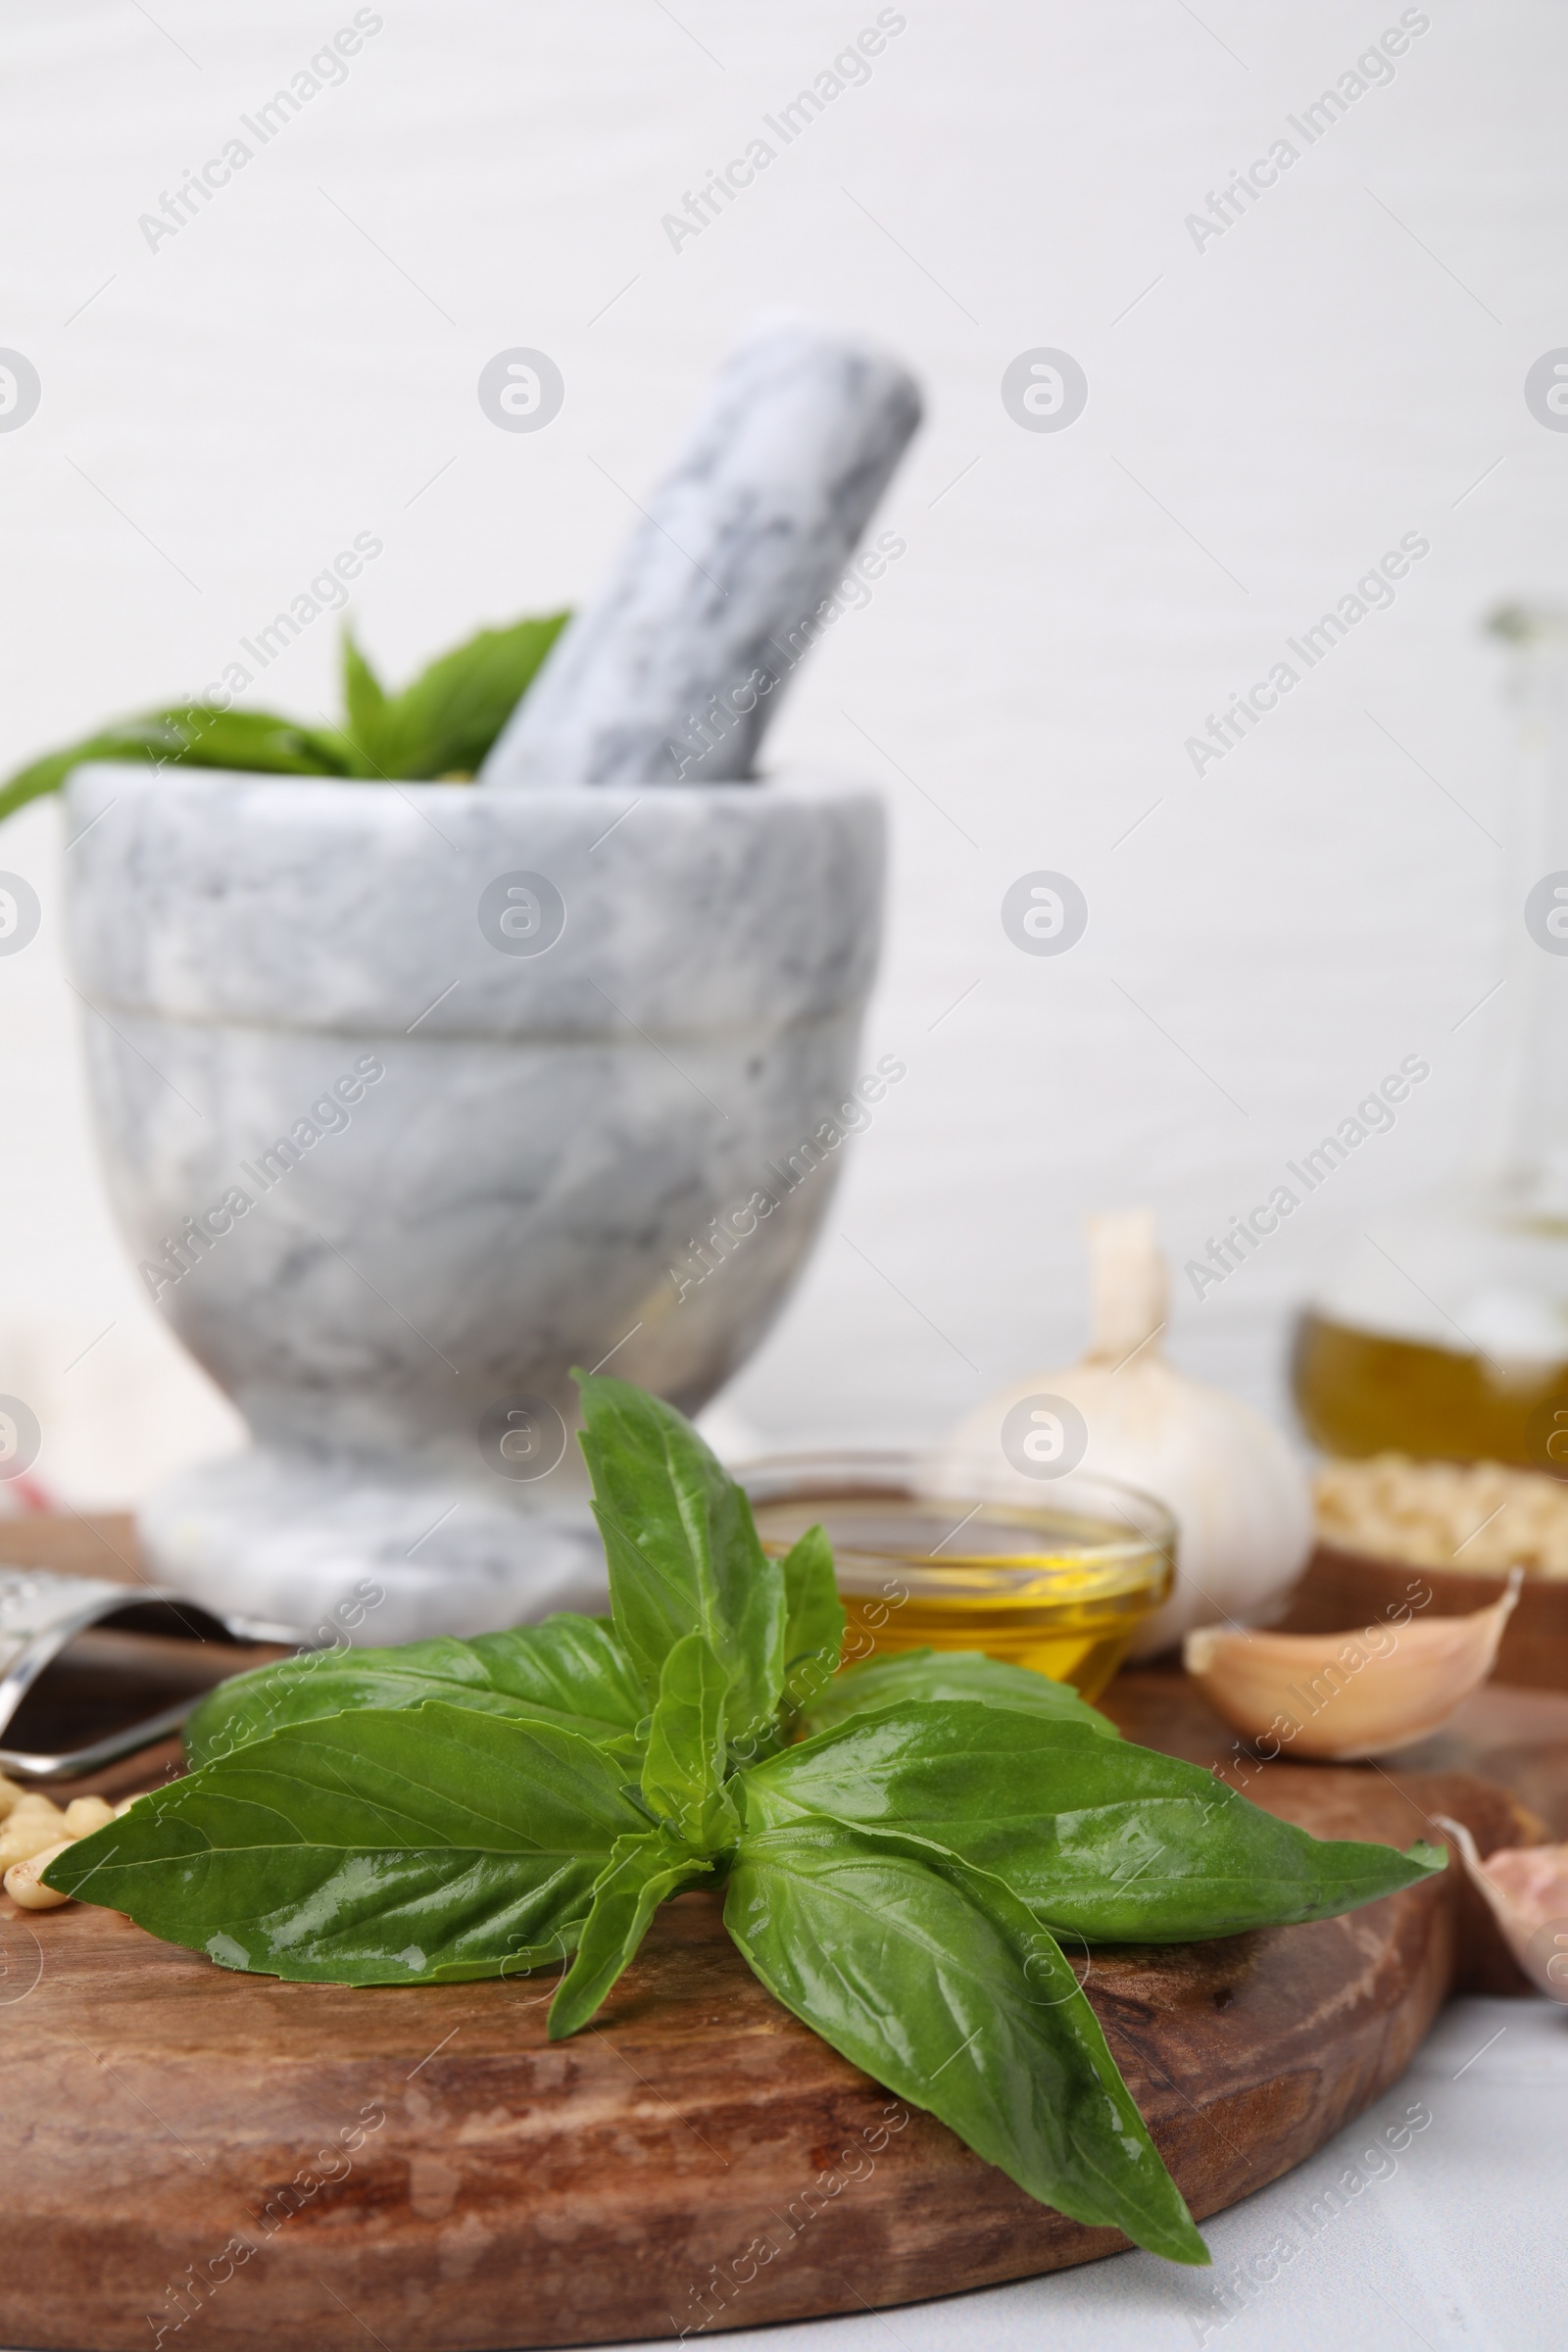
441 724
898 1846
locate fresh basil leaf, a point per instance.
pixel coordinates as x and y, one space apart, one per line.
568 1671
447 718
445 721
683 1771
410 1845
364 707
942 1986
573 1664
923 1674
195 735
1112 1841
682 1550
814 1620
642 1872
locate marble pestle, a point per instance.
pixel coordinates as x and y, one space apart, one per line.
672 672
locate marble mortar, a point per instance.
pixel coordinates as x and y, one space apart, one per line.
576 1079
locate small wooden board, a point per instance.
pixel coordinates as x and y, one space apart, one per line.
696 2155
246 2164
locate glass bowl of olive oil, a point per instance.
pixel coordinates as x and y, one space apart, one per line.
925 1561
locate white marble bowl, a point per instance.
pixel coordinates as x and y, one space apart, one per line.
575 1080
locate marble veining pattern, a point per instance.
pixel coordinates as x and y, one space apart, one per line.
740 543
546 1135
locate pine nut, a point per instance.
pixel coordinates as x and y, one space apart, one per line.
23 1880
1476 1517
28 1832
85 1814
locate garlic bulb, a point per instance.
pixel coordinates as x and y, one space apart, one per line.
1527 1889
1241 1501
1342 1696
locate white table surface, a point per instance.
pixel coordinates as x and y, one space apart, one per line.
1461 2246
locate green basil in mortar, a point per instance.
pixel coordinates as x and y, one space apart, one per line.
441 725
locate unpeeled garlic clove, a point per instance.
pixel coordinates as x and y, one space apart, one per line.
1340 1697
1527 1889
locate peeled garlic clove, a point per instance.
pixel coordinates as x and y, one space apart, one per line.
11 1796
1345 1696
1527 1889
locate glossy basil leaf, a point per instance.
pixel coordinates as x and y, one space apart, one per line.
568 1671
195 735
398 1846
814 1620
682 1550
365 705
641 1874
942 1986
964 1674
447 718
684 1768
1112 1841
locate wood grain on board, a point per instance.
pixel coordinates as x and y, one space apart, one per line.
256 2163
305 2164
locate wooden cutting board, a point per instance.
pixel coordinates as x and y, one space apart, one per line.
241 2163
299 2164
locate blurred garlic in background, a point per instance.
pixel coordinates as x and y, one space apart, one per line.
1240 1499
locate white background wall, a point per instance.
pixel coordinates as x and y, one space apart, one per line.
1265 416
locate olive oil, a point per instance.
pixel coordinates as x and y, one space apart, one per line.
1368 1392
1052 1590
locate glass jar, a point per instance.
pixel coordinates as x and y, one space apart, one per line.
921 1563
1444 1331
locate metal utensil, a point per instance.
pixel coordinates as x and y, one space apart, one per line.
90 1671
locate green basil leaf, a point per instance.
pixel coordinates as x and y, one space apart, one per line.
568 1671
923 1674
446 721
683 1771
364 705
195 735
1112 1841
942 1986
682 1550
451 714
421 1846
814 1620
642 1872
